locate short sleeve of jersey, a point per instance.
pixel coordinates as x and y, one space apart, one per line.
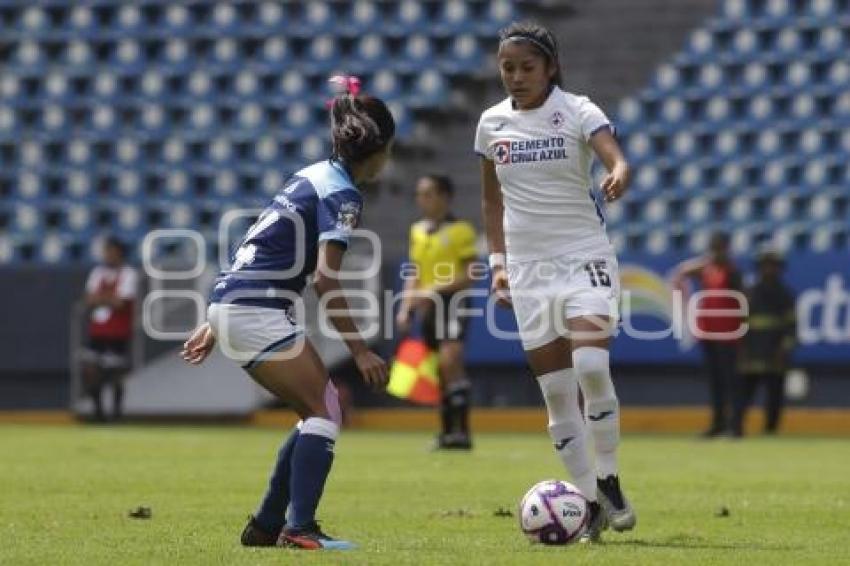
339 215
412 248
465 241
127 283
591 118
482 139
93 281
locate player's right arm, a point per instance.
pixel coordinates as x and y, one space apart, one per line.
688 269
493 210
371 366
411 283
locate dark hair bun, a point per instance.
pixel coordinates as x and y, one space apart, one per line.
360 126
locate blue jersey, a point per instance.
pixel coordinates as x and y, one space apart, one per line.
280 250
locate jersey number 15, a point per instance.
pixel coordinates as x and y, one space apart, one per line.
597 274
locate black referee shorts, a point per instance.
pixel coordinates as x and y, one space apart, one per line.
442 321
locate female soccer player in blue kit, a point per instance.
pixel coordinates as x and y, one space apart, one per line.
304 230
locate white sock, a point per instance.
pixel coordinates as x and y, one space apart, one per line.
320 427
567 428
601 407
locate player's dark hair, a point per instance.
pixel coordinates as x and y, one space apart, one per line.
360 126
444 184
718 239
116 243
540 39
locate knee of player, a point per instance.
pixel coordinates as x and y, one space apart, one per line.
590 361
568 433
592 367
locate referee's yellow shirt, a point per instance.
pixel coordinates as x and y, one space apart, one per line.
441 252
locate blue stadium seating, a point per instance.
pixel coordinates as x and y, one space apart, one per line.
124 117
744 130
130 116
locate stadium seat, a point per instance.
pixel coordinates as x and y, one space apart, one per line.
647 178
465 55
683 144
323 53
820 207
673 110
454 19
293 85
385 84
271 182
629 111
657 241
499 14
832 40
27 218
313 148
363 17
429 90
639 146
408 18
829 236
122 103
371 49
418 53
741 241
762 88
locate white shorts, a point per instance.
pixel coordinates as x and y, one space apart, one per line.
547 292
249 335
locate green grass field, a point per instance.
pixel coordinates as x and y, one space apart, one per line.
65 493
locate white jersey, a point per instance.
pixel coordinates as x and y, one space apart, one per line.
543 159
123 281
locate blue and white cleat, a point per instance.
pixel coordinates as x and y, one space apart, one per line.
311 537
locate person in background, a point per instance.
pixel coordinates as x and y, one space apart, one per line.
111 291
767 346
716 272
442 248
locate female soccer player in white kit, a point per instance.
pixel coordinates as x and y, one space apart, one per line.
551 258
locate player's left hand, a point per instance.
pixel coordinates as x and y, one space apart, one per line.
614 184
199 345
373 368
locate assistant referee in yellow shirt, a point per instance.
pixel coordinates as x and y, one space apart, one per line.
442 249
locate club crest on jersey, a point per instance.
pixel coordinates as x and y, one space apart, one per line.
557 120
347 216
502 152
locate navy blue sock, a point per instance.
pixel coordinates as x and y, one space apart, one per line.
311 464
271 514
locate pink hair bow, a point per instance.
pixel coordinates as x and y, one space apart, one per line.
344 84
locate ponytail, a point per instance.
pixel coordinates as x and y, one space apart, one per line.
361 125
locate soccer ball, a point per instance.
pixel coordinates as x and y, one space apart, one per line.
553 512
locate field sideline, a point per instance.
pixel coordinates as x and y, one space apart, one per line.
67 490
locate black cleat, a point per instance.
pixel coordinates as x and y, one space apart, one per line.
713 432
453 441
621 515
255 535
596 523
